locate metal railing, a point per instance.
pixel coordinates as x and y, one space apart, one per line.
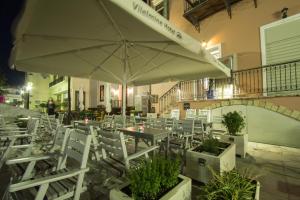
56 81
280 79
190 4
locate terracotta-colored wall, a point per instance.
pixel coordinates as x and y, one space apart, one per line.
241 34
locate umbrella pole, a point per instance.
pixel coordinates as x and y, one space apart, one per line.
124 85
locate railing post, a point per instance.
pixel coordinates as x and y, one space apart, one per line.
195 90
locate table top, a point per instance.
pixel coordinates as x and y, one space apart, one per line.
89 122
144 132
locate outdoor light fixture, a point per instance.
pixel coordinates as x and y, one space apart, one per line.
28 87
206 83
129 90
115 92
284 12
204 44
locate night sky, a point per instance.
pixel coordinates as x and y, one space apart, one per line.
9 10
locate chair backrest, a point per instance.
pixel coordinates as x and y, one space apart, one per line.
198 127
217 119
32 126
188 126
61 118
130 120
152 115
78 147
190 113
60 139
175 113
204 114
170 123
112 143
118 121
159 123
45 122
2 121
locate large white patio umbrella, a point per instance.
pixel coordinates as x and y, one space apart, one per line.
118 41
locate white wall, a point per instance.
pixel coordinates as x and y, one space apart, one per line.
266 126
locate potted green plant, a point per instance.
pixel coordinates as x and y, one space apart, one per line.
44 107
213 154
235 122
156 179
231 185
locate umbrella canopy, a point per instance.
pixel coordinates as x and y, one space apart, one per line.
119 41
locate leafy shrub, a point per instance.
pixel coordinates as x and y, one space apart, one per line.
211 145
234 122
153 178
230 185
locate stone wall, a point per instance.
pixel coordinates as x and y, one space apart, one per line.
290 109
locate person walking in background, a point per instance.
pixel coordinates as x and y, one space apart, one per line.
51 107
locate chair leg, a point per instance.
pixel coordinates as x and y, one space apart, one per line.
79 186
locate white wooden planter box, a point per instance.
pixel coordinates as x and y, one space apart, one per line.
197 164
181 191
241 142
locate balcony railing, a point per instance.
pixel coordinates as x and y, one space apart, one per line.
281 79
56 81
197 10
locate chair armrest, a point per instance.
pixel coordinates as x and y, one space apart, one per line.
142 152
68 126
188 135
15 136
30 158
13 131
11 128
44 180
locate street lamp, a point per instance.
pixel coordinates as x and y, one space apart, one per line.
28 89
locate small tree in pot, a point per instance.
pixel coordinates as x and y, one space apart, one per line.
235 123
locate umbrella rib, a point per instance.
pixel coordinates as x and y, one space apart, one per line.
86 61
171 53
65 37
108 57
152 42
69 51
115 25
148 61
157 66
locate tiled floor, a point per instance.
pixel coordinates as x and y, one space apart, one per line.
278 169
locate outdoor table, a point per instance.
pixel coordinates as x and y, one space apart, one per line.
145 133
87 123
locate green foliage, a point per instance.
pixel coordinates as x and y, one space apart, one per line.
43 105
2 80
229 186
154 177
211 145
234 122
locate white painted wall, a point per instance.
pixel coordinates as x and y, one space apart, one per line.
266 126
